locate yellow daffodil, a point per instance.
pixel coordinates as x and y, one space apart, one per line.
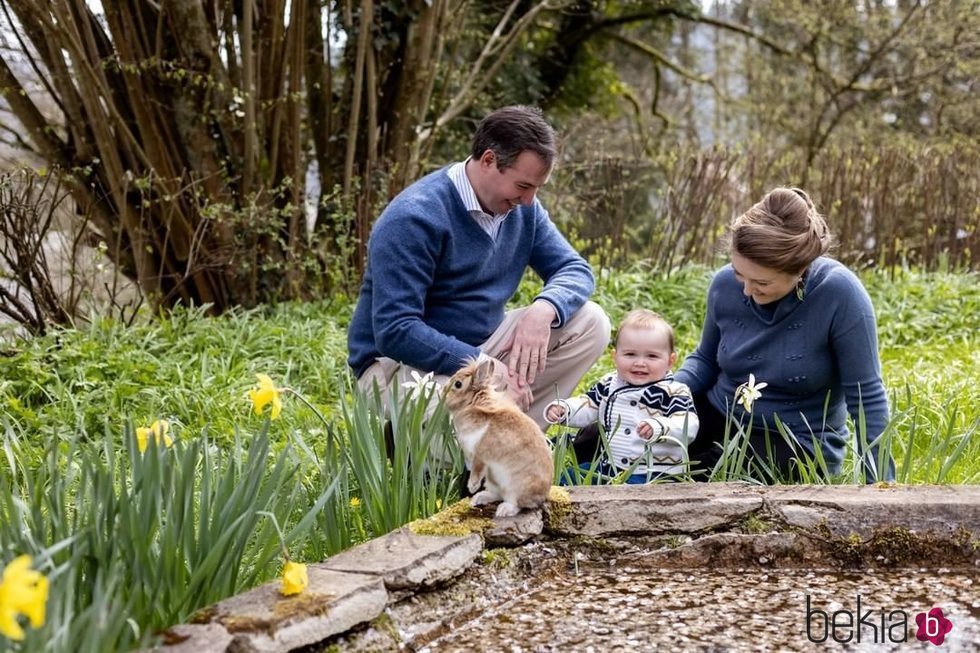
160 430
22 591
294 578
265 393
747 393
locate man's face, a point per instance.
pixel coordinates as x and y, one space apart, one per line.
501 190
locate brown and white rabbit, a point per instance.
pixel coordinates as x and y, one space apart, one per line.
500 443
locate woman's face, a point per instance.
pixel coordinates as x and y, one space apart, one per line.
764 285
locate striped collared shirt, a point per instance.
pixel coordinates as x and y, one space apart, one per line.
489 223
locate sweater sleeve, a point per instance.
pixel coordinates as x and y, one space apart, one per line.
581 412
700 369
399 293
854 339
682 426
672 409
567 277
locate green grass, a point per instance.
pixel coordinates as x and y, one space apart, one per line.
134 542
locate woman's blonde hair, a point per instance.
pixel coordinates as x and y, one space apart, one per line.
783 232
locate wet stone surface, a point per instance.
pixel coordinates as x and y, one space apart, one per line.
627 569
624 607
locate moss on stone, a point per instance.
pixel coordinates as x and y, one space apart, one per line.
204 615
897 545
384 623
675 541
457 520
964 538
558 508
753 524
498 558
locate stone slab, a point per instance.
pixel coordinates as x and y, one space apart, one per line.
262 620
654 509
861 509
516 530
195 638
407 561
697 508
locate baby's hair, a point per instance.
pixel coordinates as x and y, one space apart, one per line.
641 318
783 232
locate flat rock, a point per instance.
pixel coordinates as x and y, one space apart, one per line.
261 619
860 509
407 561
653 509
704 507
514 531
195 638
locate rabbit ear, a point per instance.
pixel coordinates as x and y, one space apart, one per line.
486 375
484 371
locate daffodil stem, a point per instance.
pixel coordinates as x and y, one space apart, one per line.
282 538
316 411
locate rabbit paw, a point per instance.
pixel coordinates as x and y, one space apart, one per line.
483 498
474 484
507 509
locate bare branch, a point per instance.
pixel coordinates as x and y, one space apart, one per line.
498 45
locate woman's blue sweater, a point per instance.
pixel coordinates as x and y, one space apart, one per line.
819 357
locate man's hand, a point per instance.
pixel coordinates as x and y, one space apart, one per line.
529 345
521 394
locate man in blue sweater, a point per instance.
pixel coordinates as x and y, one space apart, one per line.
449 252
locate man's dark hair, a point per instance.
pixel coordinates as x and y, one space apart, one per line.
512 130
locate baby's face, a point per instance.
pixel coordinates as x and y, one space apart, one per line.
642 355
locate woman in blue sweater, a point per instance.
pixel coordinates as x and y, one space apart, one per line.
789 338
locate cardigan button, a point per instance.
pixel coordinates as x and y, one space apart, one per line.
627 431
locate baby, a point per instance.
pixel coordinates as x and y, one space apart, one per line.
648 417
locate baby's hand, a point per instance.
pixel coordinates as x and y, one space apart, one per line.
555 413
644 430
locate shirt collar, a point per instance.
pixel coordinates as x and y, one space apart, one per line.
457 174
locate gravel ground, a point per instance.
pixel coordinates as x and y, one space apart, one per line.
622 605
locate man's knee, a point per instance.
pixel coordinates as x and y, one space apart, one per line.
593 324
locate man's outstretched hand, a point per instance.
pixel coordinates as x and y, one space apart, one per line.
529 344
521 395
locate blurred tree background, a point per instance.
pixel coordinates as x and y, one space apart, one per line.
235 153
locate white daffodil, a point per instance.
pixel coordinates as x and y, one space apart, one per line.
420 385
747 393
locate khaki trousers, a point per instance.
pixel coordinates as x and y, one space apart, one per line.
572 350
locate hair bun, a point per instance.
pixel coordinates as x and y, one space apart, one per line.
806 198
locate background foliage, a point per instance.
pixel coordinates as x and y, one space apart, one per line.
228 153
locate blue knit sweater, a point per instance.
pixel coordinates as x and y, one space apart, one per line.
826 343
436 283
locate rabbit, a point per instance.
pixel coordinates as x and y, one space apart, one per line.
500 443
